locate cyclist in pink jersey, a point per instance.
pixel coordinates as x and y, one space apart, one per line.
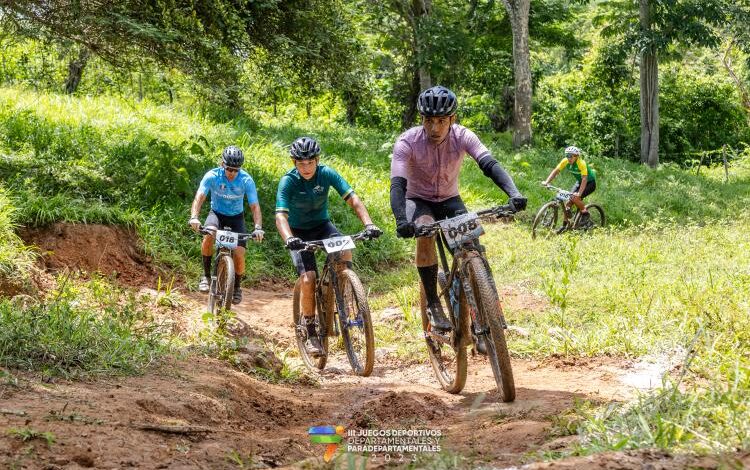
424 181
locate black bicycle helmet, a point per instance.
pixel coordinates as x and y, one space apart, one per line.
437 101
304 148
232 156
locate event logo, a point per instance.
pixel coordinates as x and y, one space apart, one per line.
329 435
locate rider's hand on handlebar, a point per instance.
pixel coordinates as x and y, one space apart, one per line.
294 243
258 234
372 231
405 229
518 203
194 223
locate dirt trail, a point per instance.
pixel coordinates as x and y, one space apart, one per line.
200 413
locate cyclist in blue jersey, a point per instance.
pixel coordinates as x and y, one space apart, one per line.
228 185
302 215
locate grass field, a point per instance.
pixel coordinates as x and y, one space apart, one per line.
668 276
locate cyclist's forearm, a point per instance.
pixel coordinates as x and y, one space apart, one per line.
282 225
398 198
257 217
553 174
356 203
495 171
195 209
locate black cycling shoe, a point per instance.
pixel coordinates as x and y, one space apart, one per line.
585 221
237 296
203 285
480 344
437 318
312 345
565 226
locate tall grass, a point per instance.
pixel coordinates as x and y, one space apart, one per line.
15 257
79 331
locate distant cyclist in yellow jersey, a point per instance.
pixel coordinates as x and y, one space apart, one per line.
585 183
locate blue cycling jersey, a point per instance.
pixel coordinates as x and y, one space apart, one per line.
226 196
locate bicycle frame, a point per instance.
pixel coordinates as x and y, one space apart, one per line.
330 276
224 248
461 255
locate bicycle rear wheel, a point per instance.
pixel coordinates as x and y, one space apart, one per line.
546 220
448 361
300 330
222 288
596 212
490 315
356 324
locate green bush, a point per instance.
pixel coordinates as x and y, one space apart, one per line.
94 330
597 108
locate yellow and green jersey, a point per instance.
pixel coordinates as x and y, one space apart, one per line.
578 169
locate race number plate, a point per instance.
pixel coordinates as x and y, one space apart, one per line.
226 239
461 229
336 244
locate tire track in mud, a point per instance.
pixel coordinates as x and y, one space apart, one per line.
476 423
201 413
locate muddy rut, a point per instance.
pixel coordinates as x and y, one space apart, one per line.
201 413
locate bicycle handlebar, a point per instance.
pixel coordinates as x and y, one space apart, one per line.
555 188
313 245
211 231
506 210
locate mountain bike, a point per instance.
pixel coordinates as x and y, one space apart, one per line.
339 294
468 294
222 277
550 218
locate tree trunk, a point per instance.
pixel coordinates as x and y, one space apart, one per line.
351 98
518 12
420 12
649 69
744 96
75 71
410 111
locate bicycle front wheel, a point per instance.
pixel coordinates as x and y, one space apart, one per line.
300 331
356 324
222 288
546 220
447 352
490 316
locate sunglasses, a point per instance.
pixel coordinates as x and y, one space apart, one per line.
230 169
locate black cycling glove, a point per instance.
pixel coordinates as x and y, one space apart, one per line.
406 229
372 231
294 243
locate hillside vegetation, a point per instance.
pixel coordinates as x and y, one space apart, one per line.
668 277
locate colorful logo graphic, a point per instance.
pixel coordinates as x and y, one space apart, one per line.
329 435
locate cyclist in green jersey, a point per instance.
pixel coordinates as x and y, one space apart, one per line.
302 215
585 183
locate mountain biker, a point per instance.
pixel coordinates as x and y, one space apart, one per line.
302 215
228 185
585 184
424 182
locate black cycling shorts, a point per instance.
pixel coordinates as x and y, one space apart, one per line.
416 208
590 188
235 223
305 260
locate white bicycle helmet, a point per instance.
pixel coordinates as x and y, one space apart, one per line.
572 150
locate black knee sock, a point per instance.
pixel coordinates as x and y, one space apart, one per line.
238 280
207 266
428 275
